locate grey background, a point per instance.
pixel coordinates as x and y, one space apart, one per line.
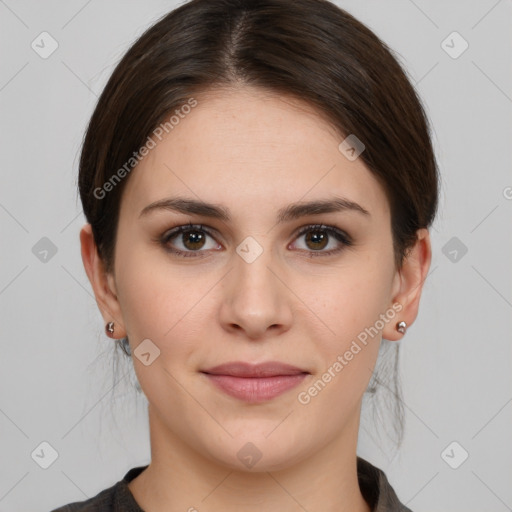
56 365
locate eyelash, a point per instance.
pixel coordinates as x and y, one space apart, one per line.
330 230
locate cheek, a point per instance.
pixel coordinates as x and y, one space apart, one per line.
352 297
164 307
348 305
161 302
145 292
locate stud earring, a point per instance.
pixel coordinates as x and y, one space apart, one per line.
109 329
401 327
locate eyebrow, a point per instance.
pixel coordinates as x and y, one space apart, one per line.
288 213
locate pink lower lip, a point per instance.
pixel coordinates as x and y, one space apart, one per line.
256 389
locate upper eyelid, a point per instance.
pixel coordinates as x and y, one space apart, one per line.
326 227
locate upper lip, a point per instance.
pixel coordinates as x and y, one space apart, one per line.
243 369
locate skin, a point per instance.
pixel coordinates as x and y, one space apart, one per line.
253 153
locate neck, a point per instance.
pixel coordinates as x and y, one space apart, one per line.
180 477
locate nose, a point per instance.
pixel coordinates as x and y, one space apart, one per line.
256 301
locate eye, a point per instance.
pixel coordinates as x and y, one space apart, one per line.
187 240
192 240
320 237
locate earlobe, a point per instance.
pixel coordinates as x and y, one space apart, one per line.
102 283
408 285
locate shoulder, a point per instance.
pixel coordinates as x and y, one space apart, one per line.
117 498
102 502
376 489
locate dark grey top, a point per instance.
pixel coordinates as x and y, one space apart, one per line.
373 483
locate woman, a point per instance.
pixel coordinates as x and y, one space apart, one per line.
258 180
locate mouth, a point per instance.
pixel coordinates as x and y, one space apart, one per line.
255 383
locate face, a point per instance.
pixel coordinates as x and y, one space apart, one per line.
254 278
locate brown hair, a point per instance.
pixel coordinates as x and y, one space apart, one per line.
309 49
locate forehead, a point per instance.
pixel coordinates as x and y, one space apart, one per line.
249 147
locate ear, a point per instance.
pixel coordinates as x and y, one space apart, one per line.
408 284
103 284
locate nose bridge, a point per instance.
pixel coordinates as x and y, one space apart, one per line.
254 271
253 277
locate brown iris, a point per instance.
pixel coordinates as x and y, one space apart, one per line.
193 240
318 238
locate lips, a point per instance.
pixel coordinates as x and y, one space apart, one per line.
255 383
248 370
